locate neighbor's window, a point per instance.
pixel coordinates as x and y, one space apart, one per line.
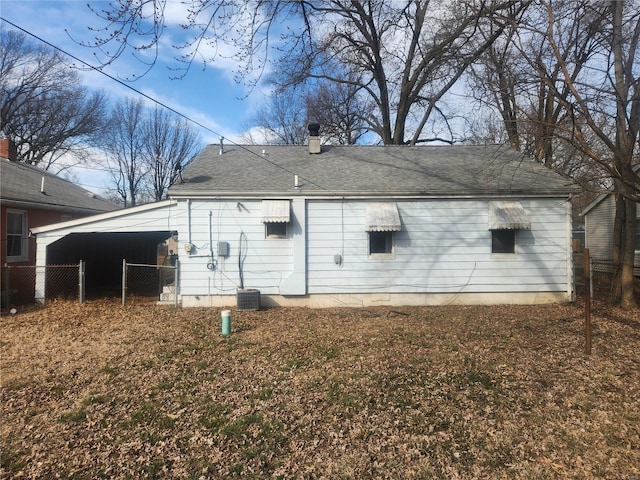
503 241
380 243
17 240
276 229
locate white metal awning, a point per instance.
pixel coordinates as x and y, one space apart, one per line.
505 215
275 211
383 217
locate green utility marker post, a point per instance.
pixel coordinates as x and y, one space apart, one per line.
226 322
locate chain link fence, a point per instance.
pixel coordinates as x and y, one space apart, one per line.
26 284
144 280
21 282
602 272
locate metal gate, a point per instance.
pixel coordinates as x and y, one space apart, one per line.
145 280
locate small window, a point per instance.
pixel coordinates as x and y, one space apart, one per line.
17 241
380 243
503 241
276 229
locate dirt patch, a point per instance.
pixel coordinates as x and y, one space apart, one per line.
142 391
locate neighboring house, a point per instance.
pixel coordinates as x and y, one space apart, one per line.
31 197
358 225
599 217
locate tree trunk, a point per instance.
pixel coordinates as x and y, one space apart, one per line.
618 229
624 239
627 298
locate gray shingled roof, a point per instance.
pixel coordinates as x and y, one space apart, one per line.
21 183
368 170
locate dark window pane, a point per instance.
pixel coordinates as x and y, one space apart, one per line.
503 241
276 229
14 223
379 242
14 246
15 234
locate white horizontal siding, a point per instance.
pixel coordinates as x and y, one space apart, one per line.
444 246
266 262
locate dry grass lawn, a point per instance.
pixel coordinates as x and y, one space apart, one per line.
143 391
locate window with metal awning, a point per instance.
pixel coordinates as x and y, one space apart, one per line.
382 217
508 215
276 211
276 215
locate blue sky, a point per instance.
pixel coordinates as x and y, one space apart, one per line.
210 96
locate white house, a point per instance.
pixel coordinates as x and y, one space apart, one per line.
362 225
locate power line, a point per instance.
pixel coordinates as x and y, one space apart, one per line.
157 102
111 77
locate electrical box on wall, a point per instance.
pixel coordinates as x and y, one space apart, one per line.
223 249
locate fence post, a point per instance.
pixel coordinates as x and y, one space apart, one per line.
81 282
7 290
176 283
124 280
587 301
590 277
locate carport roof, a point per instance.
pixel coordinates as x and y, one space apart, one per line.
143 218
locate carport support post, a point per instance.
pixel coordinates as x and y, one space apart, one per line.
81 284
124 280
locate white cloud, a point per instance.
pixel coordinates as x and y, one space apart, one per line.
208 95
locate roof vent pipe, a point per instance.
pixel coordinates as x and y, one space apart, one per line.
221 145
314 138
42 185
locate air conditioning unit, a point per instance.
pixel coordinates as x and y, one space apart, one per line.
248 299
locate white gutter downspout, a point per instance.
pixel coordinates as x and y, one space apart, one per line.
189 219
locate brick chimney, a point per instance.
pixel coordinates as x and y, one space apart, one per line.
8 149
314 138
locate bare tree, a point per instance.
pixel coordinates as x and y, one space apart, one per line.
596 84
170 144
284 119
146 150
494 80
522 78
281 121
343 113
405 55
44 108
124 143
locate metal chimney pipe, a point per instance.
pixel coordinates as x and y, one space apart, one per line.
221 145
314 138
